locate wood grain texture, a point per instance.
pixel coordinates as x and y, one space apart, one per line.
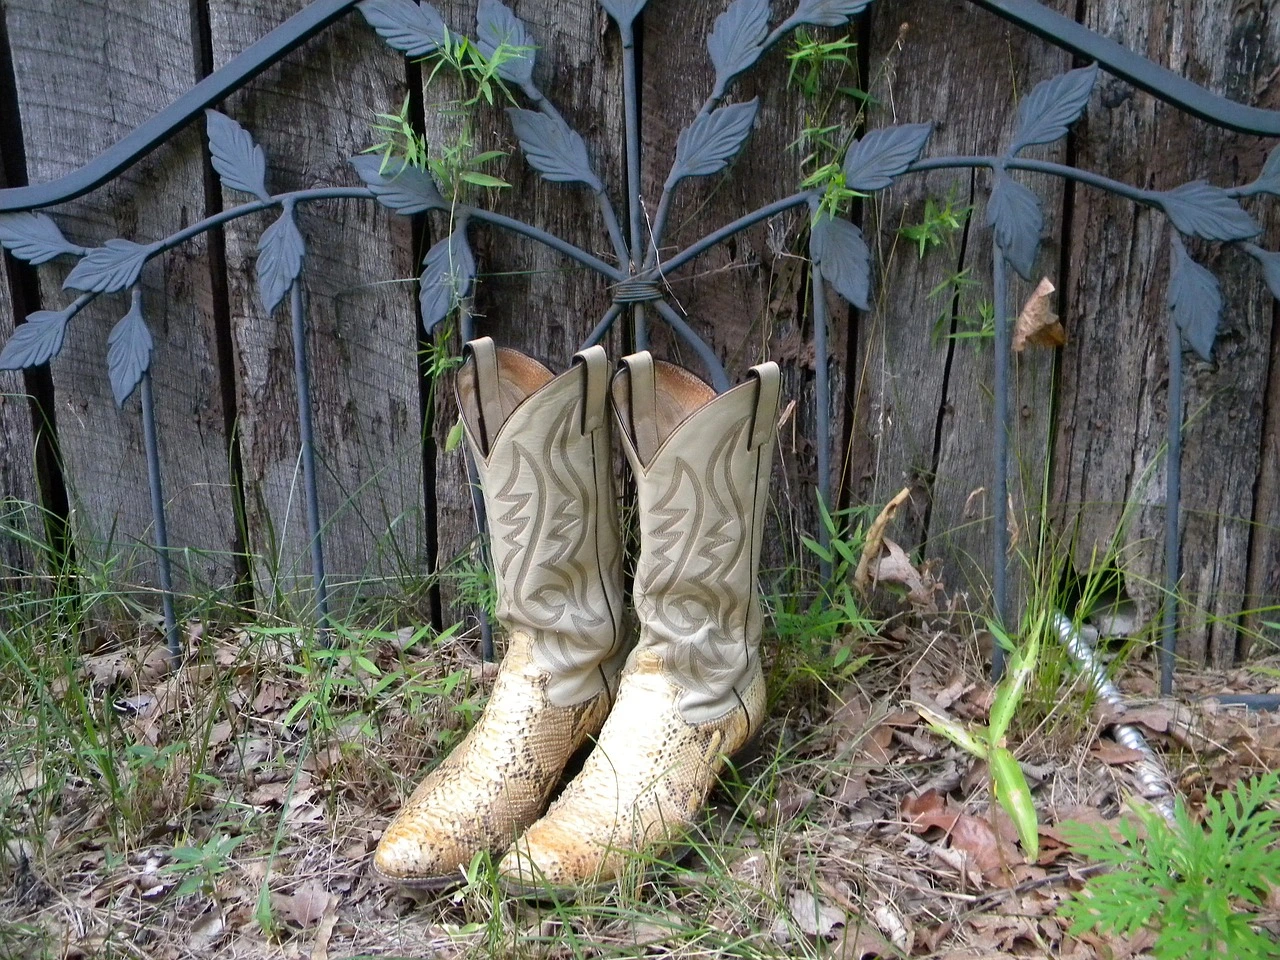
924 397
311 113
18 488
87 74
1111 467
528 297
749 297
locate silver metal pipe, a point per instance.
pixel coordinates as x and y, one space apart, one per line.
1153 780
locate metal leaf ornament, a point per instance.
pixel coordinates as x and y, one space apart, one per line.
1014 212
105 269
447 280
873 162
1270 269
280 254
828 13
713 139
413 28
838 247
624 12
1047 113
407 191
737 39
129 350
239 161
1199 209
1195 297
37 341
552 148
495 25
1269 180
35 238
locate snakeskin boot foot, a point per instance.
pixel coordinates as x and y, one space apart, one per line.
541 445
692 691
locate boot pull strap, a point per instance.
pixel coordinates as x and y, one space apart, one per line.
595 364
768 395
484 355
644 404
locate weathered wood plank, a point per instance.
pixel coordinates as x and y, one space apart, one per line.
87 74
1110 481
18 488
747 298
1264 555
311 113
924 413
528 297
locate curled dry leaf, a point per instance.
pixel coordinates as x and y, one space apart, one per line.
1038 325
813 915
875 540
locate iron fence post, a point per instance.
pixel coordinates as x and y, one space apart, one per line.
151 441
302 375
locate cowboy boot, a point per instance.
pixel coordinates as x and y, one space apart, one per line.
541 447
692 691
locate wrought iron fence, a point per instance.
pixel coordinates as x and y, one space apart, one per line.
838 252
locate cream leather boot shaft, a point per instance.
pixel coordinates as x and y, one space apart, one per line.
692 691
542 449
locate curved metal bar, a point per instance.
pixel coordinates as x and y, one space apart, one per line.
546 239
719 379
602 328
727 231
363 193
607 211
1138 195
285 38
1142 73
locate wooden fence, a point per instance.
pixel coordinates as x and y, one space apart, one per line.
913 404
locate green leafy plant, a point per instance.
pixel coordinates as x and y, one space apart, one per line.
943 218
1008 784
824 145
200 866
455 165
1199 885
959 319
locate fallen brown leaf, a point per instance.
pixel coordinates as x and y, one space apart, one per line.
875 541
1114 754
306 905
1038 325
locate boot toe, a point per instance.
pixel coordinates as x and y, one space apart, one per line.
549 857
420 861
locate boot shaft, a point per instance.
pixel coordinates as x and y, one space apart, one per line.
702 464
541 445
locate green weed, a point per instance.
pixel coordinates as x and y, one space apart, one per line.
1200 886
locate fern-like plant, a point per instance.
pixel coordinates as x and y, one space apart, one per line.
1199 885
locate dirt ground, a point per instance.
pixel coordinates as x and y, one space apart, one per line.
242 817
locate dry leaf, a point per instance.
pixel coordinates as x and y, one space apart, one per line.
306 905
892 924
320 946
206 932
1114 754
813 916
1038 325
875 540
898 568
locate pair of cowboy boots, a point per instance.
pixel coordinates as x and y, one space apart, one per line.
689 693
